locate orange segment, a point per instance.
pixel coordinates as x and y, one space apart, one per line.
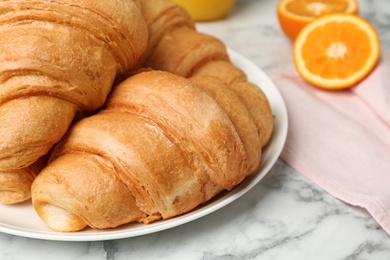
336 51
293 15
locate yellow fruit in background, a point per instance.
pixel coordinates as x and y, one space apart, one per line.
336 51
293 15
205 10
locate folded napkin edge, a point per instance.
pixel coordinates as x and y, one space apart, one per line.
367 203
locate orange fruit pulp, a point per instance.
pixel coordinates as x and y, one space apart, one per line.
293 15
336 51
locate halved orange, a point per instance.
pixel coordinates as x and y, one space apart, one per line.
336 51
293 15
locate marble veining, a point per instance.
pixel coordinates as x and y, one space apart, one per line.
285 216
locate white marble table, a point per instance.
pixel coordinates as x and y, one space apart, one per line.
285 216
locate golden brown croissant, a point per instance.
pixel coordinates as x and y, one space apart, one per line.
56 58
238 114
161 147
174 45
15 185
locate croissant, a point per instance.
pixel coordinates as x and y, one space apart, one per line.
174 45
15 185
161 147
57 58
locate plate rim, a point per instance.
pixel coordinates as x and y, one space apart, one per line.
256 75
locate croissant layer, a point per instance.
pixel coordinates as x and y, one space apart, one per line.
57 58
180 49
167 143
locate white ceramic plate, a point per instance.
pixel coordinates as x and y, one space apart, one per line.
21 220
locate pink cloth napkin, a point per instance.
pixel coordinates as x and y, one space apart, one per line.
341 139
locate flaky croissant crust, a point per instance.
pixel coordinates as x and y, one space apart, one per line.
167 141
59 57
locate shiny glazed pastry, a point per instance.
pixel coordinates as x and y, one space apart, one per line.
174 45
161 147
15 185
57 58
